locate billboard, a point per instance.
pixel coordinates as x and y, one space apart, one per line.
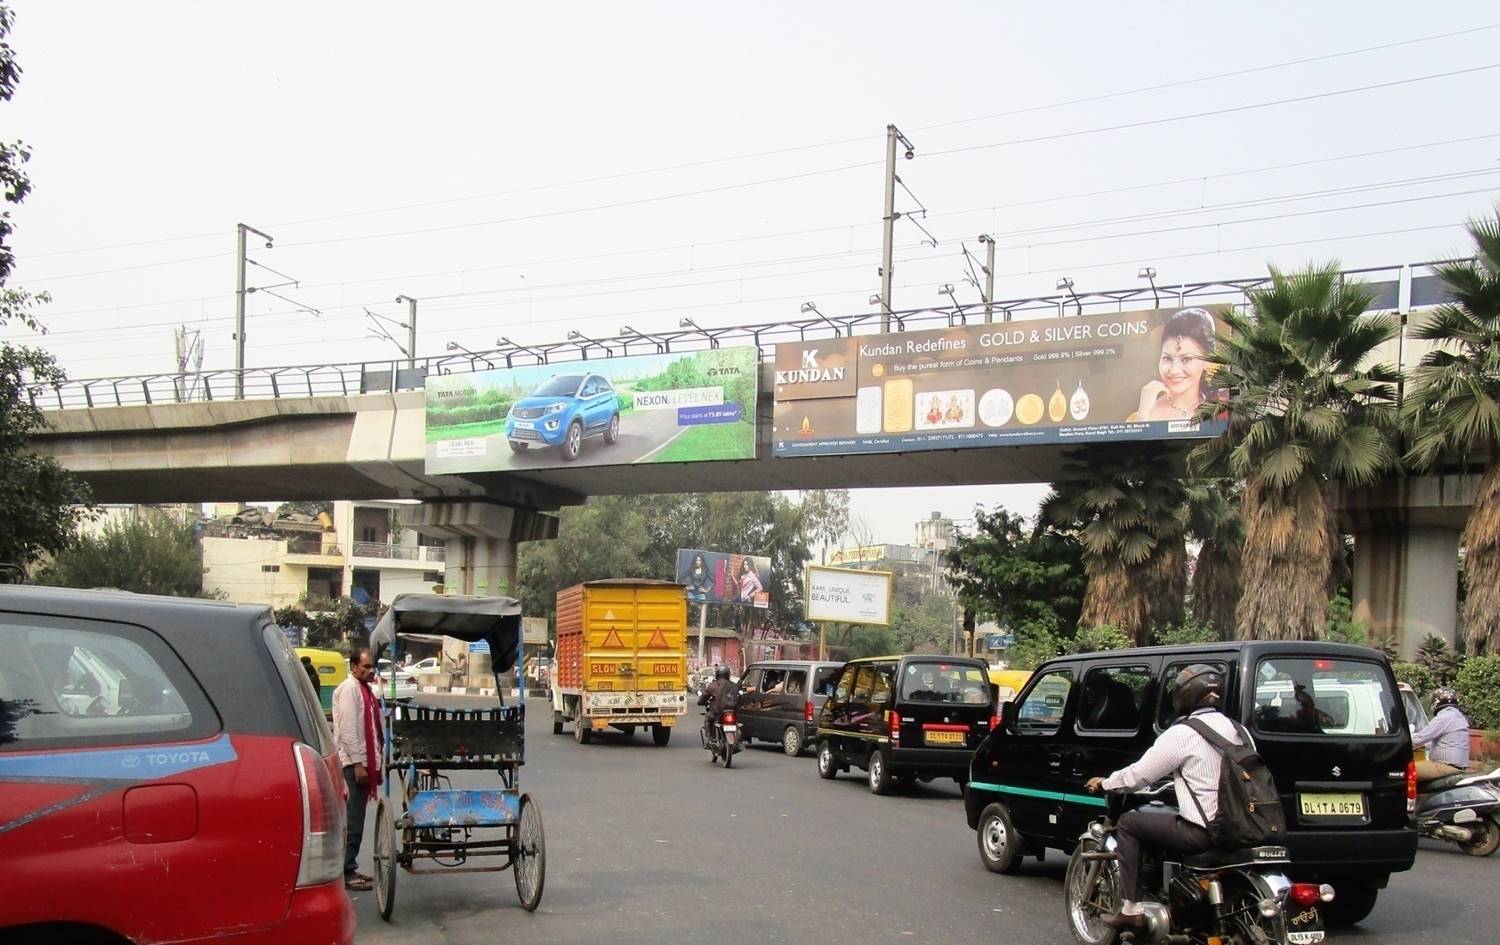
1123 376
647 408
714 577
847 595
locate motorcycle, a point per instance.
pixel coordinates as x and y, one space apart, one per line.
722 739
1462 809
1224 897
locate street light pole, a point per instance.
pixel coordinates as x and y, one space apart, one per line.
239 307
989 277
411 329
887 248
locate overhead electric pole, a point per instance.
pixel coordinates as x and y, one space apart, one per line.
411 329
239 307
989 277
887 249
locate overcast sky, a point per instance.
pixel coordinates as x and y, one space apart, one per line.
526 169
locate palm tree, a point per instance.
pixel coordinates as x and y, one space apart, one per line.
1454 413
1131 521
1214 520
1308 411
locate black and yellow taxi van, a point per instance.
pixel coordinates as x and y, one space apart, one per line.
1327 718
905 718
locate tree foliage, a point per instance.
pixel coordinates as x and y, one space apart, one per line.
1312 408
1018 574
1214 519
1453 412
150 554
330 623
40 502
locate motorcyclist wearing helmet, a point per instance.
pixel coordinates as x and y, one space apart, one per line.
1448 736
1194 766
719 696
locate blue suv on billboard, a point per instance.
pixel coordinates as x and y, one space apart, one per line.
563 410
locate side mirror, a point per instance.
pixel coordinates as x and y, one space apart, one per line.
1009 712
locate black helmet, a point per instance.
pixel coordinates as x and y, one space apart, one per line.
721 672
1443 696
1199 686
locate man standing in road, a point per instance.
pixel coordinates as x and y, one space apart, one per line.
356 728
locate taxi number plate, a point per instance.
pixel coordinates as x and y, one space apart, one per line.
1332 805
943 738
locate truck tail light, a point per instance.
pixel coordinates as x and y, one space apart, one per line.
807 711
1411 787
893 723
322 856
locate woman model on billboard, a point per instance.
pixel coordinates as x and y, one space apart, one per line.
1182 381
749 581
700 581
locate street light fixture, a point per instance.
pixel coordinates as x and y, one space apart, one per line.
627 332
813 307
1149 274
455 346
503 341
713 337
576 335
1066 283
947 289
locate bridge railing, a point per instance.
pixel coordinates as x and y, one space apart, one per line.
1396 288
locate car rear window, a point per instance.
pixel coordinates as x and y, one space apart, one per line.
824 680
81 684
938 681
1316 696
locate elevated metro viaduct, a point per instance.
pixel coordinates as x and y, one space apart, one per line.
371 446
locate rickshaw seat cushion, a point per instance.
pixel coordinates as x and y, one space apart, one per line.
463 808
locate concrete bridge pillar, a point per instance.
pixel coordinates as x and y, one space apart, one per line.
482 539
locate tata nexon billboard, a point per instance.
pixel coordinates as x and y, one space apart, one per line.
1123 376
649 408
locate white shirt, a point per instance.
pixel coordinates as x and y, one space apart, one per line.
1192 762
349 722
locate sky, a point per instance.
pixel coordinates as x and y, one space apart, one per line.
524 170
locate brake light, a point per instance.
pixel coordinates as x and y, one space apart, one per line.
893 725
807 711
322 857
1411 787
994 721
1309 894
728 718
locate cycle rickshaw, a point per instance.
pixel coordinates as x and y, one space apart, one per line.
422 823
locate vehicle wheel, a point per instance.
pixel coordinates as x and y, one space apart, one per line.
791 741
612 435
880 772
999 847
661 734
728 754
385 860
828 769
528 855
582 732
1351 904
1485 840
573 442
516 446
1089 894
557 722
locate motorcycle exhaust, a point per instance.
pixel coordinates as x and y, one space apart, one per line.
1456 834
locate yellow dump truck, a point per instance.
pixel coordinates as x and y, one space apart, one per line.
621 658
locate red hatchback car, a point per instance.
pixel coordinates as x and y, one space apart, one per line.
166 775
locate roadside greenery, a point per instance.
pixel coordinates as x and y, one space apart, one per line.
1478 685
150 554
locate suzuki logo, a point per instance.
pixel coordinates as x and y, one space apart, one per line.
810 358
1338 772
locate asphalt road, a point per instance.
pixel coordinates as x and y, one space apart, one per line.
654 845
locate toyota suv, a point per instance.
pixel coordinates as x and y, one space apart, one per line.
166 774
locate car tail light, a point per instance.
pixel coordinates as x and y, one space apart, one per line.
994 721
807 711
728 718
1411 787
1309 894
322 819
893 722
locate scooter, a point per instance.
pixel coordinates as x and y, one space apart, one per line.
1241 897
723 739
1462 809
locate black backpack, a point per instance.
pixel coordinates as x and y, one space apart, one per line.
1250 811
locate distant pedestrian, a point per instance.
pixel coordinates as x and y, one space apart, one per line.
356 727
312 673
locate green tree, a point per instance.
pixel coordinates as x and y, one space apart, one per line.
150 554
1130 514
1018 575
41 503
1214 520
1311 409
827 512
1453 415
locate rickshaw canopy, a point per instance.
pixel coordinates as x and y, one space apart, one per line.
494 620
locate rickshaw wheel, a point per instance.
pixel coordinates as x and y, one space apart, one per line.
528 855
385 860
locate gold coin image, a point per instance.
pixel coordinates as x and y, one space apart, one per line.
1057 407
1029 409
878 370
898 406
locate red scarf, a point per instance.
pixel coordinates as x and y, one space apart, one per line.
373 738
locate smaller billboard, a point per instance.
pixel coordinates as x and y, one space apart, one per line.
848 595
717 577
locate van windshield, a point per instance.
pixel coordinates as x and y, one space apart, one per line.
1316 696
944 682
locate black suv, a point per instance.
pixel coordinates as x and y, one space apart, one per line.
905 718
780 700
1326 717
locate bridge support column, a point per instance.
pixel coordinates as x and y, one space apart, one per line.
482 539
1406 583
